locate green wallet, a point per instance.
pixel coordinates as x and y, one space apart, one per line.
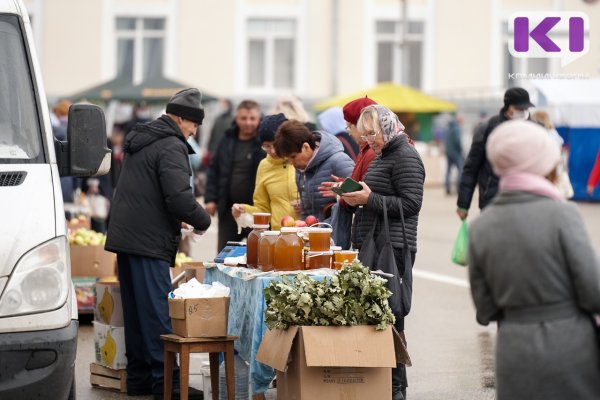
349 185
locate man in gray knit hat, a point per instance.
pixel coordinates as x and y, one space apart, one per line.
153 200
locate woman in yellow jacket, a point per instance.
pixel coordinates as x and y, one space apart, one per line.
276 189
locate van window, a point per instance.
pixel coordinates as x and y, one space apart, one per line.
20 134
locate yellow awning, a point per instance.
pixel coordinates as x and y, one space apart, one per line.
397 98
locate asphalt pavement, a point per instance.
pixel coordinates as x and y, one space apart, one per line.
452 355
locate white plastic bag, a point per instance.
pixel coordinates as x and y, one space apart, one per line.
245 220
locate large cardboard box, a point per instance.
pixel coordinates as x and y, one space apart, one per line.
108 307
201 317
92 261
109 342
321 362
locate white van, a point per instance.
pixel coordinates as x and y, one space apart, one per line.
38 311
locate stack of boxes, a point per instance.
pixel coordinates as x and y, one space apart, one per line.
109 333
89 261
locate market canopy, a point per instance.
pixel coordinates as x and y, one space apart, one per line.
398 98
158 89
571 102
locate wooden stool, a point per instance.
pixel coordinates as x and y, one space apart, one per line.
184 346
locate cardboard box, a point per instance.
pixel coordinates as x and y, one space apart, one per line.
108 308
191 270
92 261
202 317
330 362
109 342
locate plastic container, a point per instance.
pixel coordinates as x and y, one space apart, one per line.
288 251
343 256
242 386
266 250
318 259
261 218
252 245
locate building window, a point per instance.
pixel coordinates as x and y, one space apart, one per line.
389 55
271 53
140 48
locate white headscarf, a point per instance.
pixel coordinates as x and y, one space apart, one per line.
389 123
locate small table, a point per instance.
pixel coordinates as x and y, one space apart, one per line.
247 314
184 346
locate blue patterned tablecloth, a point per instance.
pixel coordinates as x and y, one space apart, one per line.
246 315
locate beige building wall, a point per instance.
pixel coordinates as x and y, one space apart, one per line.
463 44
71 38
206 53
318 43
353 46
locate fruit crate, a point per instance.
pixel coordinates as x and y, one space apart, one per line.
105 378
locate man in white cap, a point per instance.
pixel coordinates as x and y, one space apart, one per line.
152 200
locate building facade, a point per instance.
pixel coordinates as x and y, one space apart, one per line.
311 48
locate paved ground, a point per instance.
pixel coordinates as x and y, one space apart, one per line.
452 356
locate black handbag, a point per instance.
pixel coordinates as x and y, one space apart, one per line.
378 254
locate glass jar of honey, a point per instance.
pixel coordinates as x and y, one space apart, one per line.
252 245
266 250
288 251
319 239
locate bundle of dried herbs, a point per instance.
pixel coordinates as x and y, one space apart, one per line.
352 297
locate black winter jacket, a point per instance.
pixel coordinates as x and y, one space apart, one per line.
478 170
154 195
397 174
220 170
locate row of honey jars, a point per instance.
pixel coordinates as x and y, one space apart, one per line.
261 224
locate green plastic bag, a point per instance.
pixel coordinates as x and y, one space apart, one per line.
460 250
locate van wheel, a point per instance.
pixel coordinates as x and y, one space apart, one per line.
72 394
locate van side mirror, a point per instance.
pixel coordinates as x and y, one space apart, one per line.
86 148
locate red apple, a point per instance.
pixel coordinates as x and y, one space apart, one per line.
286 220
311 220
300 224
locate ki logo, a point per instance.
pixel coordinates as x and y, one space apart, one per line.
559 34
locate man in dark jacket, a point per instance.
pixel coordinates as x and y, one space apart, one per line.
477 169
231 176
152 199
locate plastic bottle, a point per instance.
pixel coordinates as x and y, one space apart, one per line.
242 386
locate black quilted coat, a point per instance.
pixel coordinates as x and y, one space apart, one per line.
397 174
